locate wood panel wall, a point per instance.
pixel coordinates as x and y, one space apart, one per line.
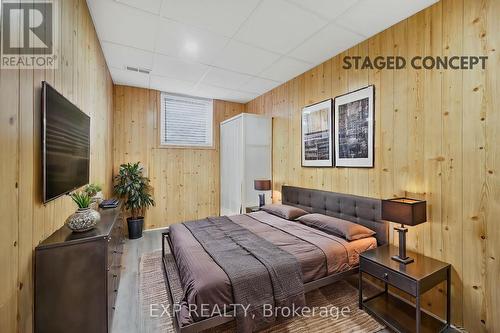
436 137
185 180
81 76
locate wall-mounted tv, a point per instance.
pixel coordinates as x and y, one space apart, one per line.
65 144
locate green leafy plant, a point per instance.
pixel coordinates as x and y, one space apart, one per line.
133 186
92 189
82 199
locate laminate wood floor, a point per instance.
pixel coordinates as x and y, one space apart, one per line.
127 318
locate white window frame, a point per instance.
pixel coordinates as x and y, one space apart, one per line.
210 125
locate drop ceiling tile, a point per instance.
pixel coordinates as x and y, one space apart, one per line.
279 26
220 16
186 42
258 85
178 69
119 56
285 69
193 34
209 91
170 85
325 44
326 8
224 78
152 6
369 17
123 24
128 78
244 58
240 96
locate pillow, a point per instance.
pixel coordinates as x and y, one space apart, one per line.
284 211
332 225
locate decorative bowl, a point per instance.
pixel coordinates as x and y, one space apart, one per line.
84 219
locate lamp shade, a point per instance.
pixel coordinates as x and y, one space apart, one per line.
262 184
404 210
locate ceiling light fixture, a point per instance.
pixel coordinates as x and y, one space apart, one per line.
191 47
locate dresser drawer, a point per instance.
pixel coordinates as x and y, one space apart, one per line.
113 282
115 252
392 278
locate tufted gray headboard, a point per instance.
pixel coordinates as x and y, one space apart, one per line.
361 210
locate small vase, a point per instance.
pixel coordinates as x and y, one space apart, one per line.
96 200
84 219
99 197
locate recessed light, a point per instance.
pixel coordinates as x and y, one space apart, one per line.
191 47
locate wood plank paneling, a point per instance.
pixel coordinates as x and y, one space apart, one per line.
436 137
82 76
185 181
452 172
491 258
474 141
9 129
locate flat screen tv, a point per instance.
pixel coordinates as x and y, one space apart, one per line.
65 145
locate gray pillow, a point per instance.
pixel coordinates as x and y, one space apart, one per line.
332 225
284 211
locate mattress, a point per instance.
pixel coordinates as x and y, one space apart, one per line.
206 285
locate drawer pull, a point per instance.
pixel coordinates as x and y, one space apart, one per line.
116 290
114 275
386 276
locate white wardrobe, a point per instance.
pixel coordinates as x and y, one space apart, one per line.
245 155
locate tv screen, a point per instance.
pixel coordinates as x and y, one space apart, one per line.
65 144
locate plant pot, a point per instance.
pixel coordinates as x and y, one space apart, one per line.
135 227
99 197
96 200
84 219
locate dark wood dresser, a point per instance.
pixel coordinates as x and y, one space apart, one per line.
77 277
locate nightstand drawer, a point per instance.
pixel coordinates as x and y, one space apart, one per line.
394 279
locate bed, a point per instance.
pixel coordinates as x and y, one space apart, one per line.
321 258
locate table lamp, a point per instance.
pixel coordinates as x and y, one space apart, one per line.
407 212
262 185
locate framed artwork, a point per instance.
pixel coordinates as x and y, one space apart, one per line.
354 128
317 145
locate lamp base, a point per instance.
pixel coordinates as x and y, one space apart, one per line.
405 261
402 257
262 199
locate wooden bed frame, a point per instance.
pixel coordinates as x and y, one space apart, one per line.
361 210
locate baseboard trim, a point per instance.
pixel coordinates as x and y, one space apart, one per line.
156 229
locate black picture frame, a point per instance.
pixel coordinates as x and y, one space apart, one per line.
318 163
357 144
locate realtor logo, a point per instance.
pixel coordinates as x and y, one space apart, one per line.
28 34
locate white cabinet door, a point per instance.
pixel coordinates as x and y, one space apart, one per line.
257 133
231 167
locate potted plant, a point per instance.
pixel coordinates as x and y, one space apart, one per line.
85 218
94 192
134 188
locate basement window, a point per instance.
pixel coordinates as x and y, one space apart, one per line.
186 121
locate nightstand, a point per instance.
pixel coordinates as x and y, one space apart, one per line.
414 279
252 209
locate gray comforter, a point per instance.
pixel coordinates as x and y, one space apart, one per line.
205 282
261 274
